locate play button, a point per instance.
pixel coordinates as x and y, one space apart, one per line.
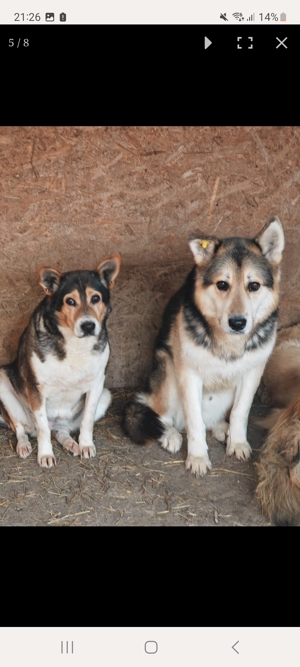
207 42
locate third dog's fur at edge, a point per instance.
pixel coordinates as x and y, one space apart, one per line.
278 491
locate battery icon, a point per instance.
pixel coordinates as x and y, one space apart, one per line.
283 17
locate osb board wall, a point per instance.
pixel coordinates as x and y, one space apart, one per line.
71 196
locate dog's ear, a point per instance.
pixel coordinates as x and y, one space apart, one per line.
108 270
203 247
49 279
271 240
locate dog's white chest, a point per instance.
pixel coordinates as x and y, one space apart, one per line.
218 374
75 374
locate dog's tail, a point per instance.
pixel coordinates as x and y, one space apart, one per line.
269 420
3 423
141 423
278 491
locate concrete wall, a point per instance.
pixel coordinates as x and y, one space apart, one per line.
71 196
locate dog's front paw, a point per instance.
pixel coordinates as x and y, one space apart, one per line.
87 452
47 461
199 465
23 448
242 450
171 440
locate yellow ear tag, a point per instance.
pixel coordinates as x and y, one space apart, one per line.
204 244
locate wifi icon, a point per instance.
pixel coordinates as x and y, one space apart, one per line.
238 16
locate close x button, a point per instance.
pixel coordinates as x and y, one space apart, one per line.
281 42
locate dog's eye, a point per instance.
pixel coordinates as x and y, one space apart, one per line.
95 298
253 287
222 285
70 302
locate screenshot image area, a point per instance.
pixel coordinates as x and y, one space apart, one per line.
144 206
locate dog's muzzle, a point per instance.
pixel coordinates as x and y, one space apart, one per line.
237 323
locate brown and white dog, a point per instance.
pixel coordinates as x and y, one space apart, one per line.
217 334
278 491
56 382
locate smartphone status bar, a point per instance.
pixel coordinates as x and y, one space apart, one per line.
62 12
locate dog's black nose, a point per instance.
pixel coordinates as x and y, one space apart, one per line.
88 327
237 322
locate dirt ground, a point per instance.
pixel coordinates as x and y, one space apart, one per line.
128 485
